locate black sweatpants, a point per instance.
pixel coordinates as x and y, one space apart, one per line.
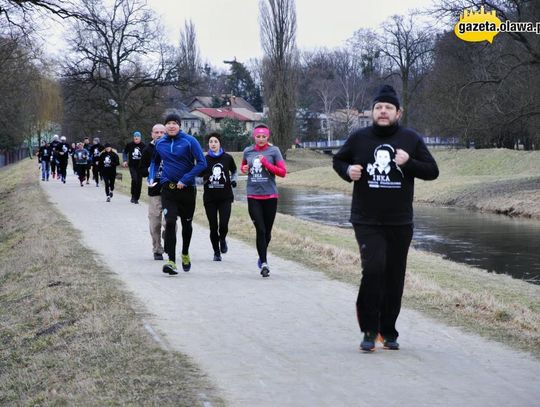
80 170
95 173
383 252
62 168
262 212
108 180
218 231
136 182
177 203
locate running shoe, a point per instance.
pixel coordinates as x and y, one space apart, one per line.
186 262
391 343
170 268
108 199
158 256
265 270
368 343
111 194
217 257
223 246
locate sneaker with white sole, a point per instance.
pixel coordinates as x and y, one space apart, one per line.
265 270
170 268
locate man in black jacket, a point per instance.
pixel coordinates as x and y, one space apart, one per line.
95 151
383 160
132 158
155 210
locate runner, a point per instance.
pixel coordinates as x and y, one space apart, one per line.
155 210
132 158
54 143
107 161
95 151
219 178
262 162
383 160
183 160
81 157
86 146
44 158
62 154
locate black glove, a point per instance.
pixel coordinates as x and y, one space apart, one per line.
233 184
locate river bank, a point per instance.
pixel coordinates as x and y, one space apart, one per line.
492 180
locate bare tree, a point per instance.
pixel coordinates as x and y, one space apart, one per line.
280 67
408 48
188 74
116 49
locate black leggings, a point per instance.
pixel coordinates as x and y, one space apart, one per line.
175 203
218 231
108 180
80 170
95 173
383 252
262 212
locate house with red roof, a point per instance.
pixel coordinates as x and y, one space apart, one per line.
213 116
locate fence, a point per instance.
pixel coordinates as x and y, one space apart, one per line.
12 156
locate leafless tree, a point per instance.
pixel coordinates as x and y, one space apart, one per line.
408 47
189 67
117 50
280 67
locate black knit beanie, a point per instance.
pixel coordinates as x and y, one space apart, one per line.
386 94
172 117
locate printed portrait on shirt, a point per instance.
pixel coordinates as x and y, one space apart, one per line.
383 172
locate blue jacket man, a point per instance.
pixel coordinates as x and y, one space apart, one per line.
182 159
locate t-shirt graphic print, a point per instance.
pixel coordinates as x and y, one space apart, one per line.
384 172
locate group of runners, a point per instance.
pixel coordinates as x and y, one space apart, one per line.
382 160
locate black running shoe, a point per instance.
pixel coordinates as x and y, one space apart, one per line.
265 270
111 194
217 257
391 344
223 246
368 344
170 268
108 199
158 256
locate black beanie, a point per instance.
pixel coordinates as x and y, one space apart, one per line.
386 94
172 117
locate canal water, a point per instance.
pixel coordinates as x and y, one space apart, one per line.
495 243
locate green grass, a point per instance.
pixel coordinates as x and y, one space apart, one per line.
69 332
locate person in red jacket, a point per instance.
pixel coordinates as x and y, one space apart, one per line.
262 162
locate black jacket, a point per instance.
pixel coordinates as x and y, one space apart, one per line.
220 172
133 153
45 153
384 193
95 150
108 161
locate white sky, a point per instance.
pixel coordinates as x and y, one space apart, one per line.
229 28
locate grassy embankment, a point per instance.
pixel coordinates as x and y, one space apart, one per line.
495 306
69 333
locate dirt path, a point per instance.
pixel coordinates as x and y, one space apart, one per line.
292 339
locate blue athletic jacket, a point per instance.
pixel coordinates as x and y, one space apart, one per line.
179 154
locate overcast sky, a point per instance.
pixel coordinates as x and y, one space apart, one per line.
229 28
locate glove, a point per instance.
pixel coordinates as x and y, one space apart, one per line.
233 184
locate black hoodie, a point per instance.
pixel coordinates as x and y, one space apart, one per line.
384 193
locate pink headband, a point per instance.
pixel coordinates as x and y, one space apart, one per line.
261 130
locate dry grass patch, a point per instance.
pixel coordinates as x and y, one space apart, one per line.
69 333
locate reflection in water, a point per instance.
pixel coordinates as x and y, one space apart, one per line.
492 242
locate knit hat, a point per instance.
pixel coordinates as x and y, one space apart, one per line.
107 145
214 134
137 134
386 94
172 117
